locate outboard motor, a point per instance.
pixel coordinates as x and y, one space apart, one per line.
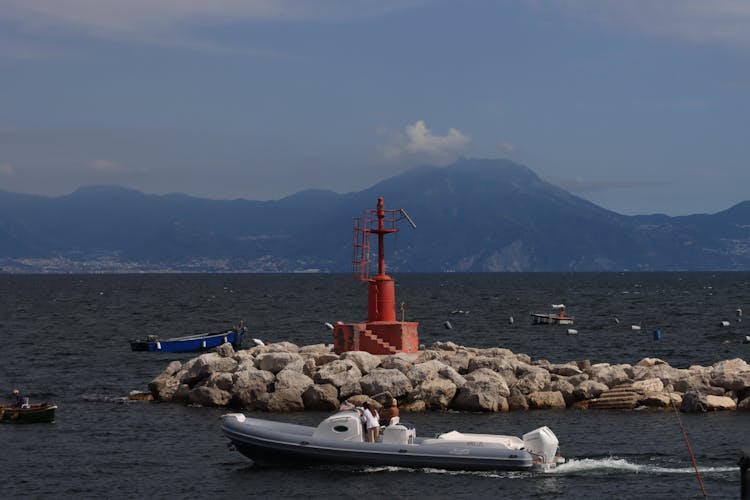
542 442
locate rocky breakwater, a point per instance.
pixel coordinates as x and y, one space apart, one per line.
283 377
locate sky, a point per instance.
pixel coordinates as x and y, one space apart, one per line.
640 106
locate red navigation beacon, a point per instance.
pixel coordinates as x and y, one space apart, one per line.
381 334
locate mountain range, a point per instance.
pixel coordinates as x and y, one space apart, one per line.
472 216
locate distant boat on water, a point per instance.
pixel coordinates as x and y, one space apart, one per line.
191 343
32 414
557 318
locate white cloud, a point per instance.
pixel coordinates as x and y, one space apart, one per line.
419 143
170 21
107 167
508 147
725 21
6 169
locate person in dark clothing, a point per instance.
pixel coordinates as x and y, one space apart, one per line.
389 413
21 400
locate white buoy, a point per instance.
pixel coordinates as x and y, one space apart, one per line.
635 327
510 320
572 331
725 323
328 325
617 321
259 342
448 325
747 339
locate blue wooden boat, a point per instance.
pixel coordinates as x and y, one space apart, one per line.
190 343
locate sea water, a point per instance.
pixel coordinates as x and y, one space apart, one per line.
65 339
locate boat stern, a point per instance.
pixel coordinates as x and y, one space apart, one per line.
543 443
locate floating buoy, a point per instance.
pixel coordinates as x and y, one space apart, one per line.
635 327
510 320
617 321
572 331
328 325
747 339
448 325
725 323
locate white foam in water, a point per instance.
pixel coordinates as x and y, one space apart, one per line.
620 464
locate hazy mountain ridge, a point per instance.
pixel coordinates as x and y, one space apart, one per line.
475 215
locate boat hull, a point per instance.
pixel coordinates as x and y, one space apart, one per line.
35 414
284 443
191 343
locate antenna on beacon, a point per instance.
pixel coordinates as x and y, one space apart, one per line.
411 222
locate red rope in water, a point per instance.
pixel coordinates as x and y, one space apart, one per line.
687 443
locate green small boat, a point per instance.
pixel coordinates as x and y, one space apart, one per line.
43 413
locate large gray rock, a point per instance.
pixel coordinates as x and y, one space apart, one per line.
445 346
291 379
517 400
733 374
479 395
565 370
200 368
274 362
324 358
436 393
662 400
718 403
648 387
282 346
505 366
321 398
349 389
428 355
222 381
545 400
315 348
532 379
252 377
398 362
208 396
694 402
225 350
565 388
365 361
382 380
449 373
458 360
589 389
662 371
492 379
285 400
163 387
422 372
337 373
610 375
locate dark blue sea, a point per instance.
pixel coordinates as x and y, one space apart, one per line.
65 339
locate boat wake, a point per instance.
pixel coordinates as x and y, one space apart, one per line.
615 465
610 465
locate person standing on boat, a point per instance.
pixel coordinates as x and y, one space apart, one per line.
389 413
21 400
371 422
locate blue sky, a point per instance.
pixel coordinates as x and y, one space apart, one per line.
640 106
